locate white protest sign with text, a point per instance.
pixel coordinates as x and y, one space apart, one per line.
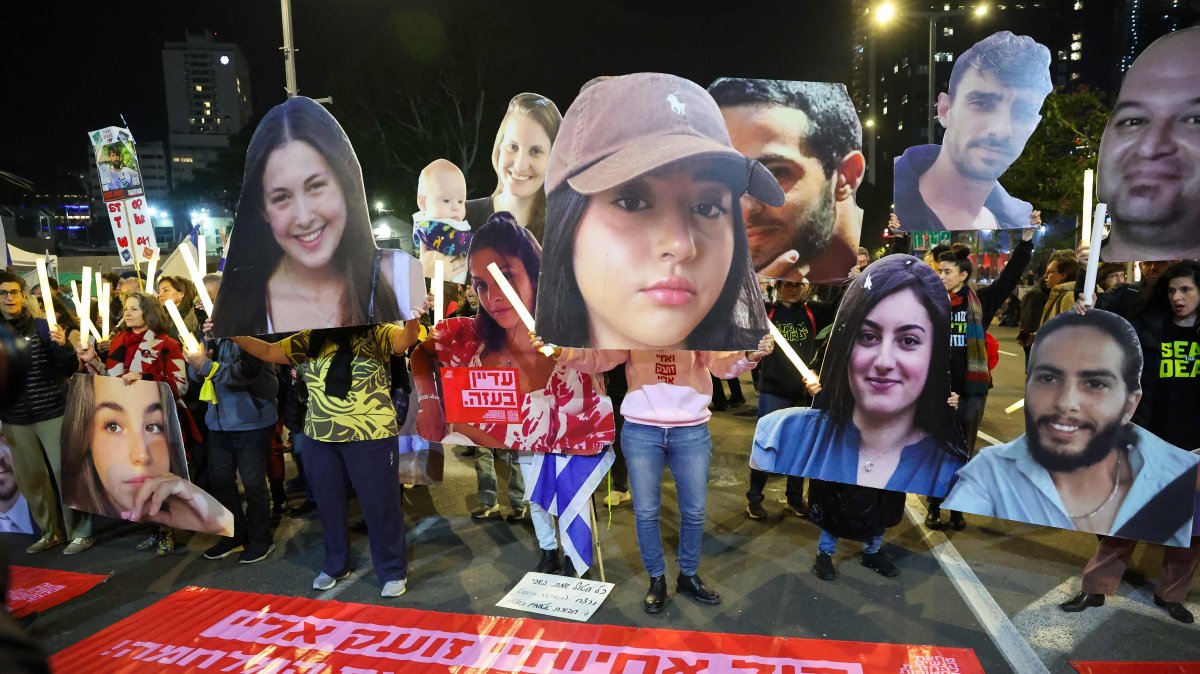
557 596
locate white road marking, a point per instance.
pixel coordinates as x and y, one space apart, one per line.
1003 633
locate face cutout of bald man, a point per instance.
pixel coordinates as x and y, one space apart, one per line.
994 105
1150 155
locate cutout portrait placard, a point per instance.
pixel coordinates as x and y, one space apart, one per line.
15 516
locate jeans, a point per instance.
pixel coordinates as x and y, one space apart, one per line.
827 544
371 468
767 403
687 450
543 522
244 453
485 473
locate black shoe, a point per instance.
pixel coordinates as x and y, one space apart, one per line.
221 550
550 562
517 515
934 519
296 485
1175 610
656 596
255 554
306 509
737 402
756 511
823 567
1082 602
359 527
799 509
694 586
880 563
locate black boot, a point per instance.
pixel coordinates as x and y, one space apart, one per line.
957 522
694 586
656 596
1082 602
550 562
934 519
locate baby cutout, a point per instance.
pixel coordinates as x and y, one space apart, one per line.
440 231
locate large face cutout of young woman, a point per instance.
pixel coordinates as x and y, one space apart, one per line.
524 156
129 437
889 362
304 204
652 256
491 298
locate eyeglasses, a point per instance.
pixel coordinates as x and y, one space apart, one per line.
791 285
11 293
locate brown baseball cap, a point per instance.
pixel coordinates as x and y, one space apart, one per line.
620 128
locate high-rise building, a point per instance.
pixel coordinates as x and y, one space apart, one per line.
208 100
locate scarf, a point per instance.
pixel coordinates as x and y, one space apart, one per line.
979 378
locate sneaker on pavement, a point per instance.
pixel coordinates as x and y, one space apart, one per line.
255 554
880 563
823 567
616 498
517 515
221 550
486 512
44 543
756 511
166 543
149 544
394 588
798 509
324 581
78 545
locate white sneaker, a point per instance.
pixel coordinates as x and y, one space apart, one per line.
325 581
394 588
616 498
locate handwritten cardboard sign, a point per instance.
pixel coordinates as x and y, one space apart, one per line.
481 395
571 598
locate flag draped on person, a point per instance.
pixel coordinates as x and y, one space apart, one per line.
564 488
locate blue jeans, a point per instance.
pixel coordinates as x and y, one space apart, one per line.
828 544
687 450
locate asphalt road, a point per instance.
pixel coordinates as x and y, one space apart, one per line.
993 587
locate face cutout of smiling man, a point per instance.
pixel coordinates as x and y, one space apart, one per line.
1082 464
996 92
808 136
1150 155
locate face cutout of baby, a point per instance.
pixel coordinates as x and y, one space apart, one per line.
442 198
442 191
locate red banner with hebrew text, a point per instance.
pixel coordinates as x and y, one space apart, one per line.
31 589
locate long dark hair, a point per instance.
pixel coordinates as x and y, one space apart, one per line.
82 487
241 304
739 303
502 234
879 281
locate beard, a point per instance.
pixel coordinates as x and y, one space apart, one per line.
1106 440
811 234
983 172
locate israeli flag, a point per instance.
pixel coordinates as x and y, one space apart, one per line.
564 488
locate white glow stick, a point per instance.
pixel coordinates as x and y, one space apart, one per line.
189 342
105 307
439 290
1093 263
1088 179
47 297
198 281
151 267
1015 406
85 307
782 344
516 303
201 256
75 292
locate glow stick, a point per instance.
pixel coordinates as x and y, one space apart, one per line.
198 281
189 342
1015 406
47 298
105 308
782 343
516 303
439 290
151 267
1088 178
201 256
1093 263
75 292
85 307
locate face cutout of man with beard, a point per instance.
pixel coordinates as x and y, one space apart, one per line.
808 135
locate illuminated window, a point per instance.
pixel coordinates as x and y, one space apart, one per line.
1076 46
1076 36
885 109
199 88
1079 5
900 126
1075 56
947 31
943 57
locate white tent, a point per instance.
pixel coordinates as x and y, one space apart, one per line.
25 263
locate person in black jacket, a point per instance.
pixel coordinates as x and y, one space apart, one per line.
32 424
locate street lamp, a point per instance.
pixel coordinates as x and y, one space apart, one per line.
884 15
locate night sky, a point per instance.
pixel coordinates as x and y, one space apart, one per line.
70 71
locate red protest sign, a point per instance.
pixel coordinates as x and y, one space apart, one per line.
31 589
475 395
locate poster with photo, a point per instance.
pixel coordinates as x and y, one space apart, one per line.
116 162
440 231
993 106
559 409
883 416
15 516
645 243
808 135
123 447
1149 167
302 254
421 462
1087 461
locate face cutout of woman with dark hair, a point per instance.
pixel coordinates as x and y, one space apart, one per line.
890 360
129 438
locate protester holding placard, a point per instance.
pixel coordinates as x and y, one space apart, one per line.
144 350
32 422
350 431
520 157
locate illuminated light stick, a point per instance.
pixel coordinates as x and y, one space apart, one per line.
189 342
85 307
807 374
1015 406
516 303
47 298
198 281
75 292
1088 178
105 308
151 268
439 290
1093 263
201 255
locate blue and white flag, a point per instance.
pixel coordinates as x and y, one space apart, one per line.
564 488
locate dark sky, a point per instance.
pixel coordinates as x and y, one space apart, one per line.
69 71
